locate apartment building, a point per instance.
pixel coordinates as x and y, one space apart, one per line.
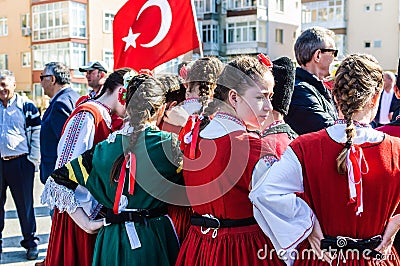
361 26
232 27
78 31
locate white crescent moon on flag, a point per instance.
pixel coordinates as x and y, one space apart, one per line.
166 20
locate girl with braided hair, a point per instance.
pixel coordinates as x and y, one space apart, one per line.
89 123
200 83
127 174
219 159
338 188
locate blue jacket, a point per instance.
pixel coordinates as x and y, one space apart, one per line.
53 121
311 108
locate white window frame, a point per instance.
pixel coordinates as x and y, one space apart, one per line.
59 20
25 59
378 7
108 16
241 33
108 58
280 5
3 61
3 26
212 31
204 6
322 11
73 54
279 35
241 4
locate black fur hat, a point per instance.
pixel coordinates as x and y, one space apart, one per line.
284 73
398 75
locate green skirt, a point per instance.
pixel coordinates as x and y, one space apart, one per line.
159 244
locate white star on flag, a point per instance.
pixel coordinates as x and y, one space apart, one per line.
130 40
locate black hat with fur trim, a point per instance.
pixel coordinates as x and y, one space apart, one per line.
284 73
398 75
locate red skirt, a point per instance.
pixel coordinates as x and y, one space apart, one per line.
351 258
245 245
68 243
180 217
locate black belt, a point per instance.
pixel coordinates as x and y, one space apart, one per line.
138 216
212 222
7 158
347 243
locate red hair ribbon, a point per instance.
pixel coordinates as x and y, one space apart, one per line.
354 161
183 72
264 59
129 163
195 136
147 72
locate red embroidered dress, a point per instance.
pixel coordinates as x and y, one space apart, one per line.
218 185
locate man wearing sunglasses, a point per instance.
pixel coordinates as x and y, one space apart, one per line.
55 80
312 107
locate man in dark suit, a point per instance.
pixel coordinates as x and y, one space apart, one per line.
55 80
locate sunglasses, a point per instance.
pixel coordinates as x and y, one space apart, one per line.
43 76
334 51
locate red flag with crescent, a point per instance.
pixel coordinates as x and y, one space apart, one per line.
147 33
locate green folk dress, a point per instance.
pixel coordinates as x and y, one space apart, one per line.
157 160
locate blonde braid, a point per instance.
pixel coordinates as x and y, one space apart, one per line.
358 79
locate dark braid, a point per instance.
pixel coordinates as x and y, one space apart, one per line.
358 79
145 95
173 85
204 73
113 81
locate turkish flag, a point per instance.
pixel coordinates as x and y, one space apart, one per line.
148 33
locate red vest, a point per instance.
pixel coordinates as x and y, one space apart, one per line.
102 129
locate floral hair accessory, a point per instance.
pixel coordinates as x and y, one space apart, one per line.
264 59
128 77
123 90
122 95
147 72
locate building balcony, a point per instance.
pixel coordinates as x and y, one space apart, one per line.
245 48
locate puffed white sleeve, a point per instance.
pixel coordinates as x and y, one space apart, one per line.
283 216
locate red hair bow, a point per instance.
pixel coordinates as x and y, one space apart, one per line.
147 72
264 59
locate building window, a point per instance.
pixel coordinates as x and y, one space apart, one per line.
367 44
26 59
242 32
108 58
70 53
242 4
3 26
378 44
367 8
322 11
209 33
3 61
58 20
279 36
25 27
280 5
378 7
205 6
108 19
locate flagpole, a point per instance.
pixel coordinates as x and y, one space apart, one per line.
197 28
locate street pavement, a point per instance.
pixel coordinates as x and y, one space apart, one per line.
13 253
